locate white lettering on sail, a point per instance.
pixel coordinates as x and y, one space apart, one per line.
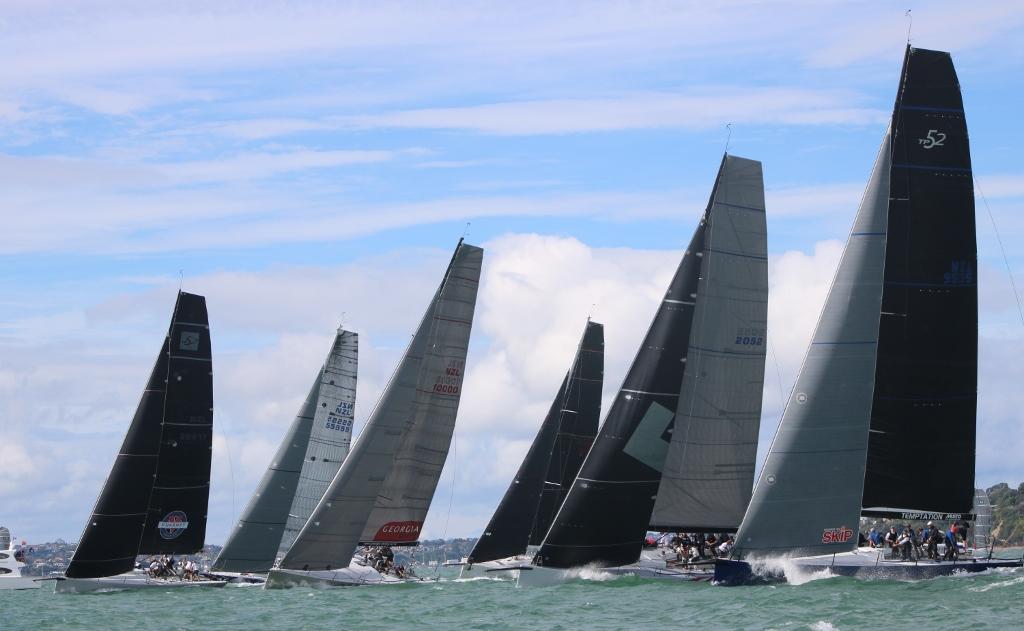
935 138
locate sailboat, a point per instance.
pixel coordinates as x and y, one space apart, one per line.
679 441
888 388
550 466
154 501
307 460
11 562
381 493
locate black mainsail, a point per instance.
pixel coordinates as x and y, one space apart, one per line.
553 460
605 516
155 498
923 414
882 414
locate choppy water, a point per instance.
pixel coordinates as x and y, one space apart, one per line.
988 600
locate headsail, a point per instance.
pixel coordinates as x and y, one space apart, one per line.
923 415
424 390
807 499
554 458
155 498
310 454
623 468
709 470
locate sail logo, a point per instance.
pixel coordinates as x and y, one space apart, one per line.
451 381
401 531
960 273
836 535
749 336
172 525
189 341
935 138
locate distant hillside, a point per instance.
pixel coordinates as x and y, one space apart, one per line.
1007 513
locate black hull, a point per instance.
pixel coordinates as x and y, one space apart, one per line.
733 573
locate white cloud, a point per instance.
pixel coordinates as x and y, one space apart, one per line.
640 111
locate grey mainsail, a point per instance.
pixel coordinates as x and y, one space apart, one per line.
424 391
709 469
307 459
807 499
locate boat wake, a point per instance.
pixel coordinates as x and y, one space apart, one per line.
793 573
591 573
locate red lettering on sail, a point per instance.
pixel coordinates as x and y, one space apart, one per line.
836 535
399 531
451 381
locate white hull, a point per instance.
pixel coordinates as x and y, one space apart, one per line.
497 569
17 582
352 576
237 578
125 582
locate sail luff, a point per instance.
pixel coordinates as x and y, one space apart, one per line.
709 470
254 542
330 536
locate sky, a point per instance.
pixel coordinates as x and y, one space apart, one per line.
304 164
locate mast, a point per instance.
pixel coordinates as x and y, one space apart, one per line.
924 410
709 470
310 454
155 499
554 458
425 388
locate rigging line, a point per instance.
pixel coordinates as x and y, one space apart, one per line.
910 23
231 471
451 500
1002 250
728 126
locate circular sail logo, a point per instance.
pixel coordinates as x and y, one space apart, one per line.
173 524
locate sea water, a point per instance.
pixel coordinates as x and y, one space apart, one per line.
595 600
